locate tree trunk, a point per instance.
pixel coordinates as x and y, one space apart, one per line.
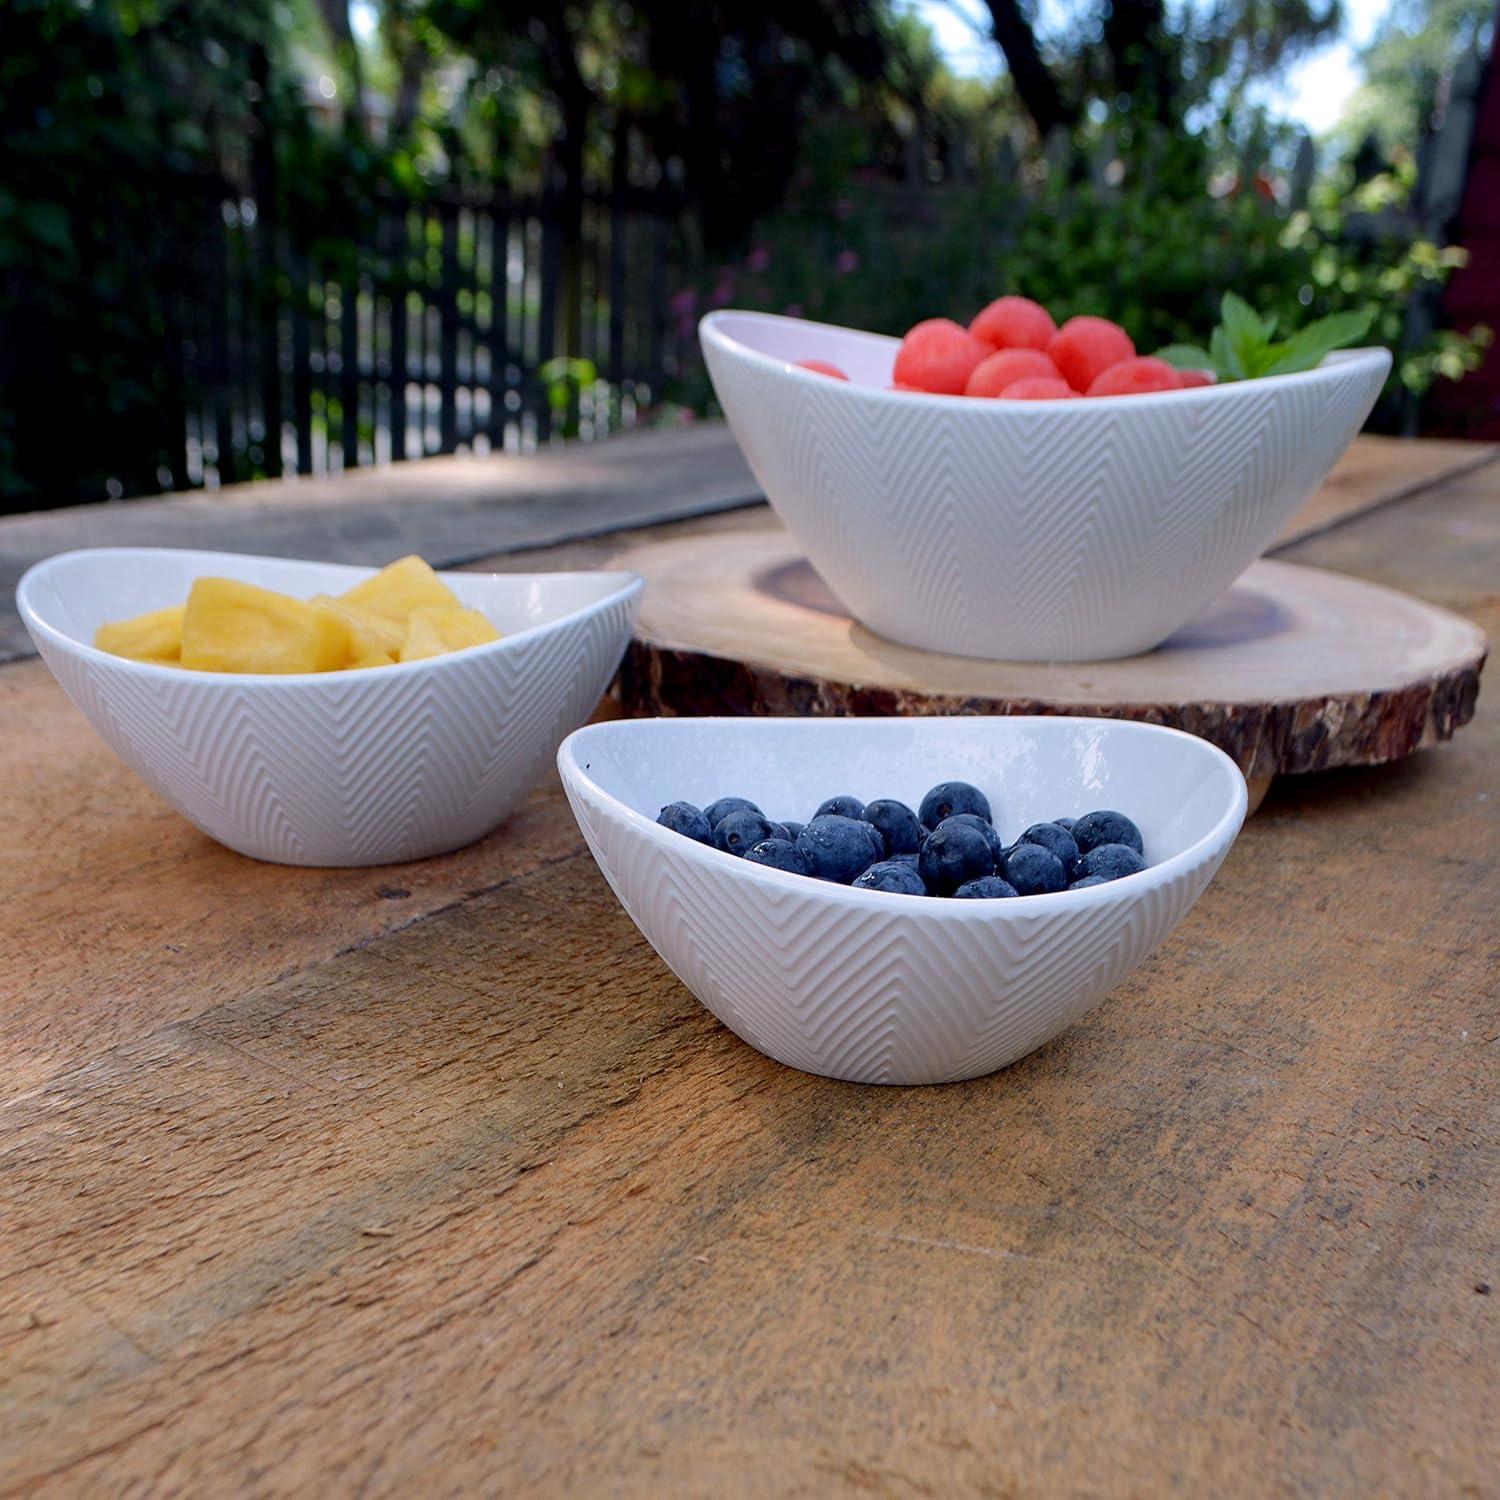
1034 82
1139 62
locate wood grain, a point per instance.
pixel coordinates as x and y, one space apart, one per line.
1293 670
486 1202
117 915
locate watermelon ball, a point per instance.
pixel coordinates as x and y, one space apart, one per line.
1189 378
938 356
821 367
991 376
1014 323
1084 348
1136 377
1039 388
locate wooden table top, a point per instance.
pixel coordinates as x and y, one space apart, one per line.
433 1180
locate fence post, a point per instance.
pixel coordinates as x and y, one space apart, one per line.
448 331
268 298
499 319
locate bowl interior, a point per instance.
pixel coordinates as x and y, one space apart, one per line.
1178 789
76 592
867 358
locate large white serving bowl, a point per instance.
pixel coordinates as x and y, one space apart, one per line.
339 768
1073 530
879 988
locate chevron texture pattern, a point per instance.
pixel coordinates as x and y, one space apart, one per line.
355 769
874 989
1062 531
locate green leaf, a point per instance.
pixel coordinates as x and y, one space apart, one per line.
1246 333
1227 364
1186 357
1306 348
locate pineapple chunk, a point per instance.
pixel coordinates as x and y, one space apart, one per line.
153 637
397 590
236 627
374 641
434 631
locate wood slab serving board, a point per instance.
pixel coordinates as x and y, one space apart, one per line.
1294 669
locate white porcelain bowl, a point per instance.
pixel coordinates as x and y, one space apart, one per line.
341 768
880 988
1025 530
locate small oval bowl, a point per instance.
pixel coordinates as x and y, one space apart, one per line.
363 767
877 988
1073 530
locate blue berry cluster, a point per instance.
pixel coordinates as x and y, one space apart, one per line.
948 847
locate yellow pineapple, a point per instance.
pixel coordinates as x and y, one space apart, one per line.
434 631
397 590
236 627
153 637
374 640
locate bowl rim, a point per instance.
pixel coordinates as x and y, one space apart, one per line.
1223 832
628 585
711 331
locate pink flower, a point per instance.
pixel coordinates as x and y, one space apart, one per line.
759 259
846 262
682 304
723 292
792 310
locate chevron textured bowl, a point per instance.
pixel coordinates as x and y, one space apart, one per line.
343 768
1025 530
879 988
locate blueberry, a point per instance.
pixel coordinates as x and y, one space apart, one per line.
835 848
953 853
716 812
903 859
843 806
1105 827
793 829
986 888
1087 881
1111 861
898 825
779 854
741 831
993 839
1034 871
877 841
890 875
684 818
1058 840
949 797
1064 823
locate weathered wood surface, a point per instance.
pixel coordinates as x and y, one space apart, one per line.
484 1201
451 510
1295 669
454 510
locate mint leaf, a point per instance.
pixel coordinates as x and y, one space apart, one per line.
1247 334
1186 357
1305 349
1227 365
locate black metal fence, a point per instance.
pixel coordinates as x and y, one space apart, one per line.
434 327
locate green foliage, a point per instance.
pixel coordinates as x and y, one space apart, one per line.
1144 237
1417 45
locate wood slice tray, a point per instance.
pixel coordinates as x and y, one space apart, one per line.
1293 670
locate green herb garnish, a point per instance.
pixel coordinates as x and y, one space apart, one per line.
1242 347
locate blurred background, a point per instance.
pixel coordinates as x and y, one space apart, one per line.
251 238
